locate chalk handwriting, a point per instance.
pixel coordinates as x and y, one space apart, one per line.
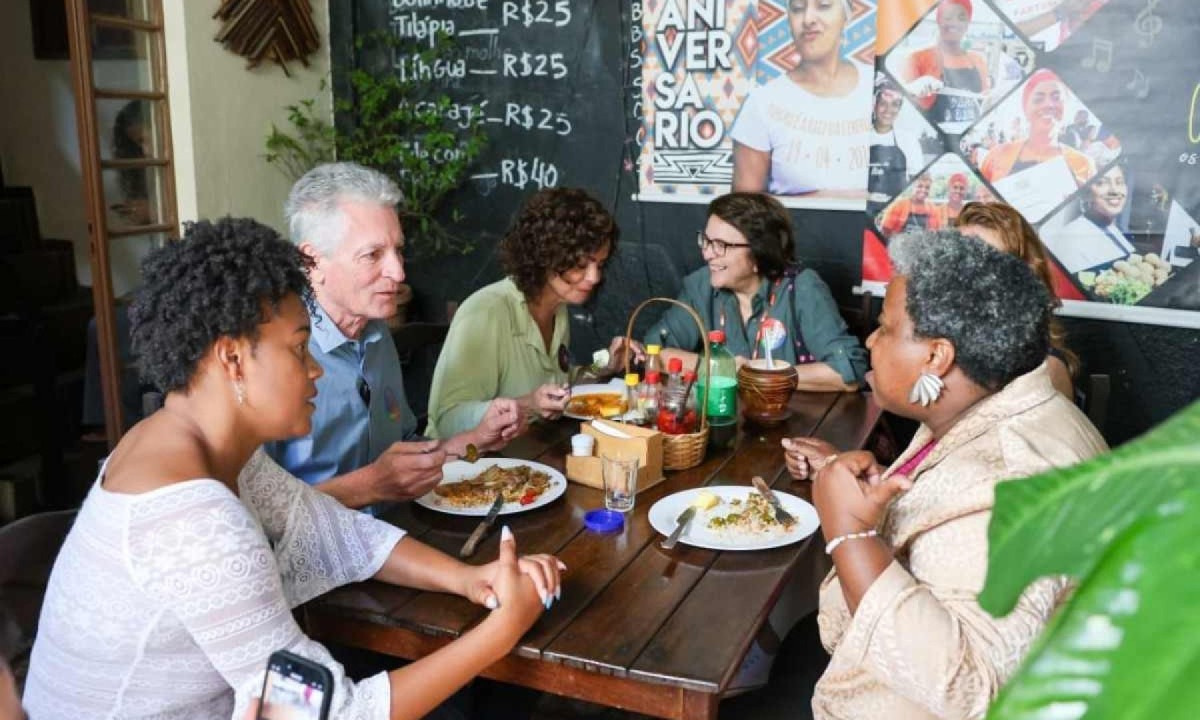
519 172
1101 57
533 118
551 65
533 12
1147 25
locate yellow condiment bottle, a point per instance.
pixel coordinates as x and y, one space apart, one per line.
633 413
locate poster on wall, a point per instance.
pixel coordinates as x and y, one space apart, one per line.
756 95
1081 114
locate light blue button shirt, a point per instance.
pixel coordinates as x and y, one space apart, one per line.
347 434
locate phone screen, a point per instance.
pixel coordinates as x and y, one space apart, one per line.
293 690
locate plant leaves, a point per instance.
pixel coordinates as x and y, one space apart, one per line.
1061 522
1124 647
405 127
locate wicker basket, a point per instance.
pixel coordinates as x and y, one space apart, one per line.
680 452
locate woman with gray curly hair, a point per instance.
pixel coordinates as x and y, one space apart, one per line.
966 359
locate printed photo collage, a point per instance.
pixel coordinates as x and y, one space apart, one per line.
964 109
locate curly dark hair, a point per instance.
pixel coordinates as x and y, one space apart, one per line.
556 231
988 303
765 224
218 281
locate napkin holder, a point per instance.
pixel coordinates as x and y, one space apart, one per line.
644 444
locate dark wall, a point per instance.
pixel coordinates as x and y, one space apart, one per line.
1152 368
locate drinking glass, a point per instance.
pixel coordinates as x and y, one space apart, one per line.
620 482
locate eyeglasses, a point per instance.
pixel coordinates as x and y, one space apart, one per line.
718 246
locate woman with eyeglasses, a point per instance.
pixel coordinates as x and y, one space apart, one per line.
510 339
750 275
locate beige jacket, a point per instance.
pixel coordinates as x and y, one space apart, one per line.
919 645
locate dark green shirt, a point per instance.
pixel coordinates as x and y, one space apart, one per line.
816 332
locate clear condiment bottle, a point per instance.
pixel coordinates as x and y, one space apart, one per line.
632 410
674 370
677 409
648 395
654 362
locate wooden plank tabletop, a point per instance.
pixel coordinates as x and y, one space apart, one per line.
641 628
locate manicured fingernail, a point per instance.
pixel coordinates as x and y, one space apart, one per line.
491 603
561 566
545 598
558 593
505 534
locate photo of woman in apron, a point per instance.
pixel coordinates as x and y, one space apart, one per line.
949 81
915 212
896 154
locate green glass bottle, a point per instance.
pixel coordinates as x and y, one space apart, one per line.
720 377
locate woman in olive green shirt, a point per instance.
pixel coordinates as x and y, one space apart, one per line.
510 339
749 275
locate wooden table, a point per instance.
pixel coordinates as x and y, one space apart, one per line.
638 628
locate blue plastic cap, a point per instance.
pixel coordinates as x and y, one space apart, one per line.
604 520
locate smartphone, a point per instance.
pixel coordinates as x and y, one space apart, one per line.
295 689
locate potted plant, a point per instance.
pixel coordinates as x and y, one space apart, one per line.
1124 525
411 130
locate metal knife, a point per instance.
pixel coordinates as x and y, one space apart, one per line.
681 522
468 548
782 516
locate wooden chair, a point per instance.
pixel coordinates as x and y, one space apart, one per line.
28 548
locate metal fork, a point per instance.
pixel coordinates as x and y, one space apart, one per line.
783 517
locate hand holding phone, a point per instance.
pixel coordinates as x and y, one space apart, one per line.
296 688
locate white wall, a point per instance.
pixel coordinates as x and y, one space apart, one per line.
222 112
39 146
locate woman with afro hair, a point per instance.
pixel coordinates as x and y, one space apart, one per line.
180 574
510 339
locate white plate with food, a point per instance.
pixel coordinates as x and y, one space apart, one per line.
596 401
470 488
741 519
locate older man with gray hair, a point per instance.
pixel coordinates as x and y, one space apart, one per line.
364 447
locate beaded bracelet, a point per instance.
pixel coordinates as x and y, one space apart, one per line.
849 536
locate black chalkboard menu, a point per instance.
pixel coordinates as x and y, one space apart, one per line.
559 83
548 75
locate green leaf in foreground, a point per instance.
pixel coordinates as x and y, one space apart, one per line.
1125 646
1123 524
1062 522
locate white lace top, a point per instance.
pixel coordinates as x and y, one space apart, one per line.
166 603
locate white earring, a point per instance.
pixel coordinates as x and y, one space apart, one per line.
239 391
926 390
